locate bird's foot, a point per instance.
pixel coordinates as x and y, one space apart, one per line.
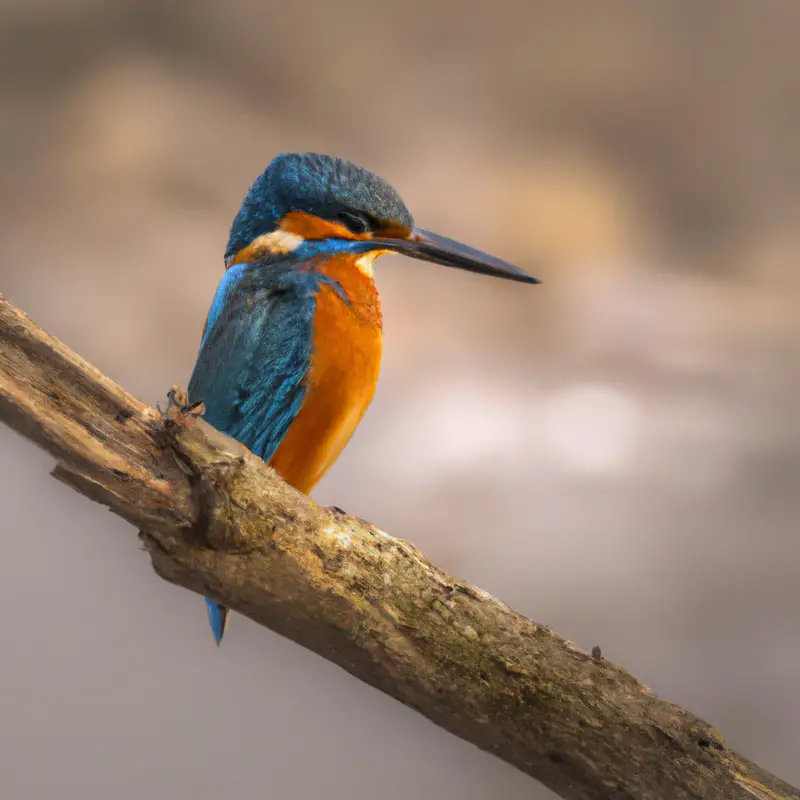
177 396
178 410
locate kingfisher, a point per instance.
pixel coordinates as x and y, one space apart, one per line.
291 349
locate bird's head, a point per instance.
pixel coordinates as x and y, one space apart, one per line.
309 205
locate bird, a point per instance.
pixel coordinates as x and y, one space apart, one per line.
290 352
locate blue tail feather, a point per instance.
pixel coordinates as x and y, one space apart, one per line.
218 617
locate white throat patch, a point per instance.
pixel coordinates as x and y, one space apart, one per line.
365 262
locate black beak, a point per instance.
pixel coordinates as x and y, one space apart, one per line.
429 246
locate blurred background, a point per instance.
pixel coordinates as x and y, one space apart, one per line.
614 453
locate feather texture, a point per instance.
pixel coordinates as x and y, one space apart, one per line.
255 353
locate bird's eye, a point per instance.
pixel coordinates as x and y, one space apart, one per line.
355 221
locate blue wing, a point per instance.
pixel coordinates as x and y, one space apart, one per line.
255 353
253 360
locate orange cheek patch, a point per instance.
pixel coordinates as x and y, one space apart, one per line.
396 232
298 226
310 227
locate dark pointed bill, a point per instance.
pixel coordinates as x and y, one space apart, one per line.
429 246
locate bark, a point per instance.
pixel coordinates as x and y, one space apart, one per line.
216 520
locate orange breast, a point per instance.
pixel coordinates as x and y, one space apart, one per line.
342 379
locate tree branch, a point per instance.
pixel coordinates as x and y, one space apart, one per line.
216 520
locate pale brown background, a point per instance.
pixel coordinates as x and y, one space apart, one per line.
614 453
